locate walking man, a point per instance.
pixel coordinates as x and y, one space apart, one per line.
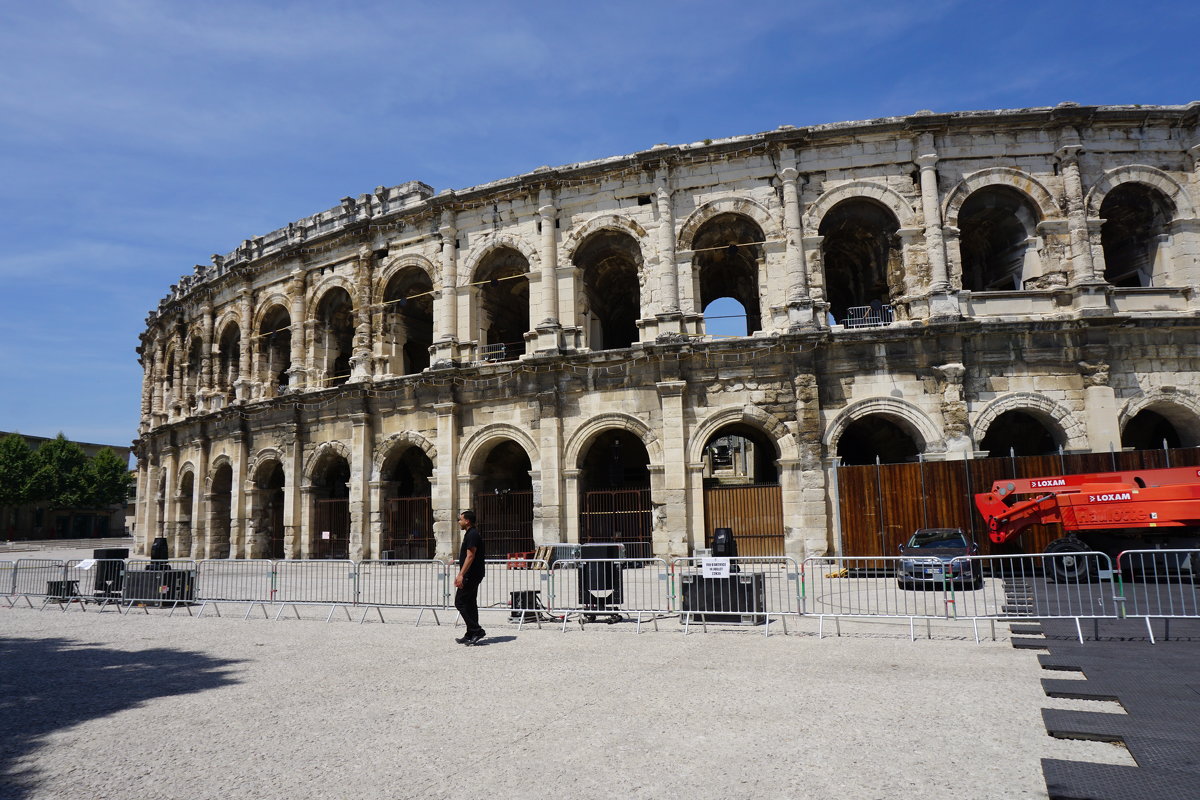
470 573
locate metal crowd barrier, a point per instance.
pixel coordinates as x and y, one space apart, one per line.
1159 584
609 589
754 589
88 580
423 585
42 578
507 583
332 582
8 579
249 581
162 583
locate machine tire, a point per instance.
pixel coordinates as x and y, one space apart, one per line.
1065 567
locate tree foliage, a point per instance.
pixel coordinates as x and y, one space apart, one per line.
107 480
16 471
60 474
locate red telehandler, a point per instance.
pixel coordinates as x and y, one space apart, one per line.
1105 512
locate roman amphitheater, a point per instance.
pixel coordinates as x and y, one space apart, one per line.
646 347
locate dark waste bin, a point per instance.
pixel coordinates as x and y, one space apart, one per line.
725 546
110 570
601 584
159 554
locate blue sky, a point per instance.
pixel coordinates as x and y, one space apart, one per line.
139 137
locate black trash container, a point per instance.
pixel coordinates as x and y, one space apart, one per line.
601 585
159 554
110 570
725 546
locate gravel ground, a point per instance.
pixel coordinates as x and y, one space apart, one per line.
103 705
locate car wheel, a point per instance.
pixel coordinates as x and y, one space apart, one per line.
903 584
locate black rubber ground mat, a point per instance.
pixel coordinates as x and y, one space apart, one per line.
1158 687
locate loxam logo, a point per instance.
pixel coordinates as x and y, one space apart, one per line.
1108 498
1053 482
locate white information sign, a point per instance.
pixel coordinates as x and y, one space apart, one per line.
715 567
87 563
324 534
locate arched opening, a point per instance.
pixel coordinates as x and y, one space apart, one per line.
192 372
268 483
333 342
407 322
611 262
728 256
502 305
1018 433
1136 217
742 491
725 317
1150 430
220 511
861 253
169 381
997 225
504 500
229 364
331 508
275 351
407 505
876 437
614 484
183 526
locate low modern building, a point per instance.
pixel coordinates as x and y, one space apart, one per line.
546 349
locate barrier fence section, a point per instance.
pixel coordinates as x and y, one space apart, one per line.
332 582
424 585
989 588
609 590
751 591
42 578
1159 584
89 579
506 583
235 581
169 582
8 580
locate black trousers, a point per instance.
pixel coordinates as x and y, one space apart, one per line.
466 600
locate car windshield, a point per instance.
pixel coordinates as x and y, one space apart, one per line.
933 539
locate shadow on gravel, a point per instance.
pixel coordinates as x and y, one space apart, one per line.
495 640
50 684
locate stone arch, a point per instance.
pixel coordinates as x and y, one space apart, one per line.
273 300
394 265
261 458
743 206
227 318
322 450
490 243
583 436
609 222
222 460
750 415
473 449
1023 182
322 288
187 468
860 190
911 419
1180 408
410 438
1140 173
1062 422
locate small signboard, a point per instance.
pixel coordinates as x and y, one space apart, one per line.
715 567
87 563
324 534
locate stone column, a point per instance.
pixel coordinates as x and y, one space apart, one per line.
297 375
673 528
954 411
147 361
668 314
200 545
445 344
238 505
547 513
141 522
815 258
932 210
302 534
361 465
549 329
799 303
158 398
570 532
1082 268
152 525
360 360
243 386
375 521
1100 403
170 519
297 499
204 390
445 497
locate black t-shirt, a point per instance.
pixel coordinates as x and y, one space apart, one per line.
472 539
